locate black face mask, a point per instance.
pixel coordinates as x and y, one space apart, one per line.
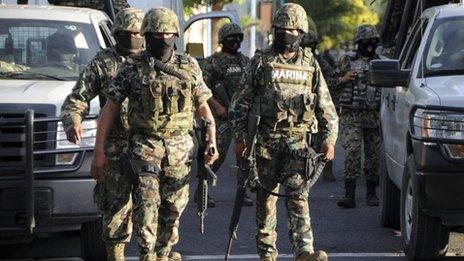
232 43
128 44
367 50
285 42
160 48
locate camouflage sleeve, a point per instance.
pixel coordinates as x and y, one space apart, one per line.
201 92
207 70
325 110
118 88
242 100
342 68
76 104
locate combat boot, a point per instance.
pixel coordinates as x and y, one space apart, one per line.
148 257
348 201
173 256
115 252
371 198
327 173
316 256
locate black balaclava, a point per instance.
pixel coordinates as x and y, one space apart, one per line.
367 48
285 42
160 48
128 44
232 43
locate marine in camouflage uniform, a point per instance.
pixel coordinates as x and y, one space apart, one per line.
222 73
359 117
165 90
113 194
285 86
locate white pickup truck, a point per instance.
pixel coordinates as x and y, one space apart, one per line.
45 186
422 123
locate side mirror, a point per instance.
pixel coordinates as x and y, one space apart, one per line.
195 50
387 74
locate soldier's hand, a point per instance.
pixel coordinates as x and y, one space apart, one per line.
99 166
74 133
239 148
349 76
329 152
221 111
211 153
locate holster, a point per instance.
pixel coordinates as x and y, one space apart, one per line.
133 169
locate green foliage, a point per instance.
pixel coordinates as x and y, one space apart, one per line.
337 20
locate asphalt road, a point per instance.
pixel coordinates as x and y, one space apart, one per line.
353 234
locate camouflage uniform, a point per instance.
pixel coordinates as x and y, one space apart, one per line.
161 110
223 70
112 195
93 4
292 99
359 115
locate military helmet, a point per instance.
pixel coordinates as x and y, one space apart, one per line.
128 19
365 31
160 20
229 29
291 16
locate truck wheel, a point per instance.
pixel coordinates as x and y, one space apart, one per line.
92 247
391 195
424 236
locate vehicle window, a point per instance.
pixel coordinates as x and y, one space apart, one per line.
55 48
194 36
105 33
445 48
410 52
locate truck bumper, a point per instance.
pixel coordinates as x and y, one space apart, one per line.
441 184
60 205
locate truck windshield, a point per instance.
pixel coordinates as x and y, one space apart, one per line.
445 48
45 49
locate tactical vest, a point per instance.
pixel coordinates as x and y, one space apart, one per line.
359 94
286 101
166 100
229 78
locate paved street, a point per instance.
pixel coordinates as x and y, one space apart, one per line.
346 234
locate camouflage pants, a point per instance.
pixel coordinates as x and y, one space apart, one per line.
113 197
159 200
270 172
223 142
358 128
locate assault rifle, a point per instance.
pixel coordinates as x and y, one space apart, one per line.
205 173
247 177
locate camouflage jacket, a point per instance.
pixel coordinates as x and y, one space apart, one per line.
357 94
93 4
315 100
222 70
161 104
93 81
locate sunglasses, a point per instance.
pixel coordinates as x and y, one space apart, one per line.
372 41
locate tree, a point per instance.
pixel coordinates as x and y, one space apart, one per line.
337 20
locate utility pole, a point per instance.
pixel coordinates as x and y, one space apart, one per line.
253 28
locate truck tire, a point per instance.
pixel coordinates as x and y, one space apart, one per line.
92 246
424 236
391 196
